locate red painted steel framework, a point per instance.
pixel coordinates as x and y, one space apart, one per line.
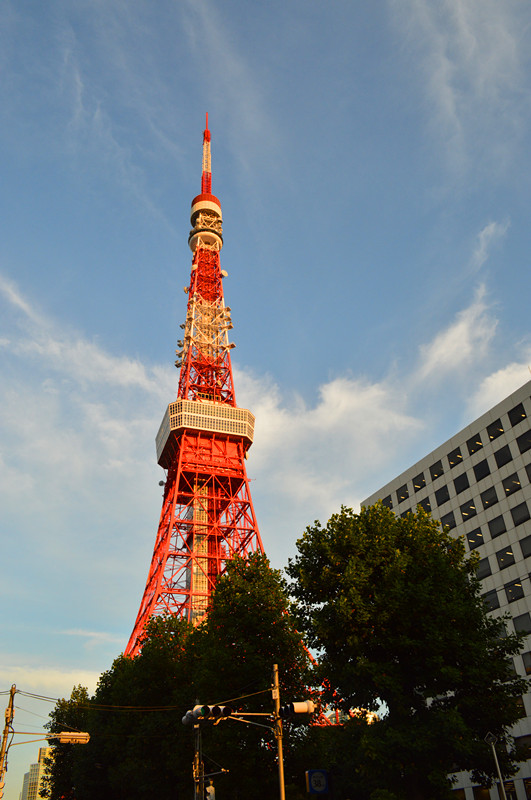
207 513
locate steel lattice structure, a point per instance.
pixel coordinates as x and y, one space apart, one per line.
207 513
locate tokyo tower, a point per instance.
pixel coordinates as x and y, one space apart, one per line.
207 514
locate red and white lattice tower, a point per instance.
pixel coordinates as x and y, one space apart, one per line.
207 513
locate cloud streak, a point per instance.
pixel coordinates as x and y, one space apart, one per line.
473 54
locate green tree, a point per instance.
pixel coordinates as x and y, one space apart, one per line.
394 609
247 630
62 771
138 745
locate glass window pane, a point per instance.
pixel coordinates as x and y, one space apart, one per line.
524 442
514 590
419 482
448 520
402 493
483 569
525 545
511 484
489 497
387 501
497 526
474 444
505 557
526 658
436 470
495 429
517 414
455 457
461 483
491 600
503 455
520 513
442 495
468 510
405 513
482 469
522 623
474 538
425 504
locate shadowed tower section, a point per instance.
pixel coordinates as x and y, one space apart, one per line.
207 513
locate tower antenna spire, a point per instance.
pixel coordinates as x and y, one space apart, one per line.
207 515
206 177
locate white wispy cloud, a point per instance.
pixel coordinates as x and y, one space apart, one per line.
494 387
464 341
472 52
492 233
50 681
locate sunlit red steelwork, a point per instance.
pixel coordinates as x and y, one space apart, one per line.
207 513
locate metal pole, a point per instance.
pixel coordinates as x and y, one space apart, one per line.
491 739
199 770
278 731
9 719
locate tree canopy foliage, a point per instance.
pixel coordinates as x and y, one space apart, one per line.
393 607
139 747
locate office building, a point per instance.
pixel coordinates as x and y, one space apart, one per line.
478 483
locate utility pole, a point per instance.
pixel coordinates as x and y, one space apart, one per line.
278 731
10 713
199 767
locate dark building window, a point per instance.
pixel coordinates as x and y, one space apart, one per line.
511 484
474 444
491 599
526 658
514 590
436 470
461 483
503 455
482 469
524 442
405 513
455 457
387 501
528 470
505 557
468 510
402 493
448 520
425 504
525 545
483 569
497 526
480 793
522 624
474 538
495 429
489 497
517 414
520 513
419 482
442 495
523 746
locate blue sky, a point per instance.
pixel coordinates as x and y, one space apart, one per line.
372 160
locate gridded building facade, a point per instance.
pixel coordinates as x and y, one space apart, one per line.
478 483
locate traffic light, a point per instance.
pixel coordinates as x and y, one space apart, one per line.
207 713
73 737
299 711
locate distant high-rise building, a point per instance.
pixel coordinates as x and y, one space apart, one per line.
33 780
478 483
